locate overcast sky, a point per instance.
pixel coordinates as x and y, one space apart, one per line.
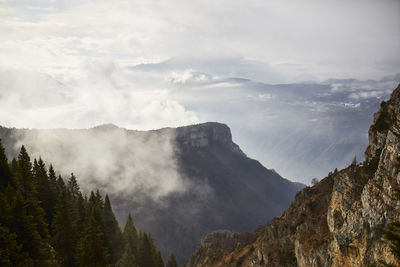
67 63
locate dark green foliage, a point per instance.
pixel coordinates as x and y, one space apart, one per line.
82 231
146 252
127 259
159 260
91 250
172 261
112 232
11 253
24 226
5 172
60 183
14 165
65 229
130 235
95 208
27 187
47 194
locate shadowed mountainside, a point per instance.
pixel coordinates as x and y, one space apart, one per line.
178 184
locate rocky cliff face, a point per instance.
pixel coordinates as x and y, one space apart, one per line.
337 222
206 134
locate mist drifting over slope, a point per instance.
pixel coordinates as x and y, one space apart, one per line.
115 160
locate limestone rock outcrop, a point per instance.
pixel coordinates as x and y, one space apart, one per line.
337 222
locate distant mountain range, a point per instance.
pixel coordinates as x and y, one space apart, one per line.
303 130
178 183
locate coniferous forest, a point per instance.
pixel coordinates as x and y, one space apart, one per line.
47 221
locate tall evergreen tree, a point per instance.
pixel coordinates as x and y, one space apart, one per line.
5 172
11 253
25 184
159 260
130 235
172 261
91 250
13 165
65 228
46 194
127 259
73 187
60 183
28 236
95 208
113 234
146 253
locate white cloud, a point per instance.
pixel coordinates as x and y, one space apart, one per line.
102 93
57 35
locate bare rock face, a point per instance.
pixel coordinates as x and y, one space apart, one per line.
337 222
205 134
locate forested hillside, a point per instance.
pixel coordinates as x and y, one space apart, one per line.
47 221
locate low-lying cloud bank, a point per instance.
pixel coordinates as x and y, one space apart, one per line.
120 162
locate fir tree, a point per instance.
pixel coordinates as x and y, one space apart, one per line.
113 234
146 253
95 208
46 195
127 259
91 250
60 184
27 233
25 184
159 260
11 253
5 172
172 261
14 166
73 187
65 229
130 235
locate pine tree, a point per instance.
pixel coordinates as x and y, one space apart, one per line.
5 172
46 195
113 234
172 261
11 253
159 260
27 233
127 259
60 184
95 208
52 196
130 235
25 184
13 166
73 187
65 229
146 253
91 250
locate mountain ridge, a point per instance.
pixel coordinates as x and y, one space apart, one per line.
337 222
178 184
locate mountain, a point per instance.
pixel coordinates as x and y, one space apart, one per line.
177 183
303 130
337 222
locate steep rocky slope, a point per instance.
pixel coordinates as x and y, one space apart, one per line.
178 184
337 222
